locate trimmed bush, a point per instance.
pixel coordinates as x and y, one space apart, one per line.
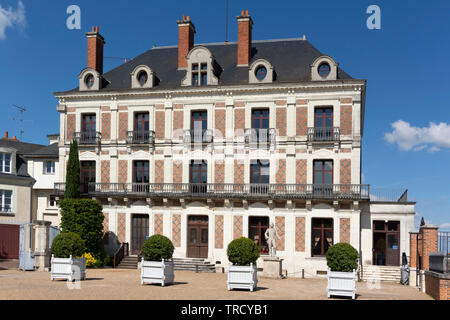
242 251
73 173
68 244
342 257
85 218
157 247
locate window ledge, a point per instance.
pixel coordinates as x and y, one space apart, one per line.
316 258
7 214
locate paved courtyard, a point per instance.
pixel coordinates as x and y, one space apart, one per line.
120 284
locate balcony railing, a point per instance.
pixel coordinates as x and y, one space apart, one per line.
324 134
226 190
260 136
141 137
88 137
198 136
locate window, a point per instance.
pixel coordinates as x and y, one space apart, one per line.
5 162
141 172
198 175
323 123
89 81
142 78
259 176
199 74
199 124
257 226
52 203
5 201
261 73
87 176
323 177
88 134
260 124
324 70
141 128
321 236
49 167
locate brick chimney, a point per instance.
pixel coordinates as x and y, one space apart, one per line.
244 47
95 43
186 32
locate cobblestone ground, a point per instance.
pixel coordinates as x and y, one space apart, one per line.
105 284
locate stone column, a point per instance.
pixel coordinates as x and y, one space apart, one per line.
429 244
42 252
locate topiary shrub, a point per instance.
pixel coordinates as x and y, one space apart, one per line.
342 257
242 251
157 247
85 218
68 244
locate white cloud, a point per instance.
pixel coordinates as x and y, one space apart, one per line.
445 225
433 138
10 18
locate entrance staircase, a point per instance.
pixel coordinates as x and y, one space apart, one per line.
128 262
193 264
381 273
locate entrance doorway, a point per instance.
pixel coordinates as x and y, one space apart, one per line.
197 237
386 243
139 232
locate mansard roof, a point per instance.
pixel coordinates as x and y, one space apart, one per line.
291 59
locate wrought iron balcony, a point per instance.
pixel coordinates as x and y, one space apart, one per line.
198 136
88 137
141 137
225 190
324 134
260 136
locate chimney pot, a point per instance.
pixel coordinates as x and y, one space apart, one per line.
6 134
15 138
246 13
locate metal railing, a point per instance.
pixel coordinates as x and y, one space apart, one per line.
444 244
88 137
260 136
141 137
198 136
120 253
324 134
225 190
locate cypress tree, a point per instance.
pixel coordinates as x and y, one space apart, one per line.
73 173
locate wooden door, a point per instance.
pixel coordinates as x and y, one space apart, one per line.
197 237
393 243
139 232
9 241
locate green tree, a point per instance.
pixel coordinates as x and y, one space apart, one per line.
73 173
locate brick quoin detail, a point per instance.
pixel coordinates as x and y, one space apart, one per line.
281 172
218 232
300 168
281 121
176 230
219 172
160 125
105 222
344 230
220 121
159 171
300 234
70 126
413 249
178 124
237 227
121 227
239 119
123 125
105 171
346 171
177 171
238 172
158 226
302 121
280 225
123 171
346 119
106 126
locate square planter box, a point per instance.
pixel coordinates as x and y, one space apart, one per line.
157 272
242 277
68 268
341 284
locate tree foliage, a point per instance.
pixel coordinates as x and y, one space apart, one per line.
73 173
157 247
68 244
342 257
242 251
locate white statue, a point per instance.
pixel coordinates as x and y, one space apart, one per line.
270 234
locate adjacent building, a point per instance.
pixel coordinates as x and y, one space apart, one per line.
205 143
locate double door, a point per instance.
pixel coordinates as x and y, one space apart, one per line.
197 237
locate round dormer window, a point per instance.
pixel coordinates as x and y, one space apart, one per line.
261 73
89 80
142 78
324 70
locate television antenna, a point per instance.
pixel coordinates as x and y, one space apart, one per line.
21 110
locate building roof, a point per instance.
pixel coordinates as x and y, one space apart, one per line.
291 59
51 151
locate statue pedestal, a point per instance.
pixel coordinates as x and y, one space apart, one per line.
272 267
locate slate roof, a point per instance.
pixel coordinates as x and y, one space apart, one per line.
51 151
291 59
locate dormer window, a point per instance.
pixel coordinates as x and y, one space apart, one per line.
200 69
5 162
89 80
260 71
142 78
324 68
199 74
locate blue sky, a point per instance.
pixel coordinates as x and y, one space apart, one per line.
406 141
